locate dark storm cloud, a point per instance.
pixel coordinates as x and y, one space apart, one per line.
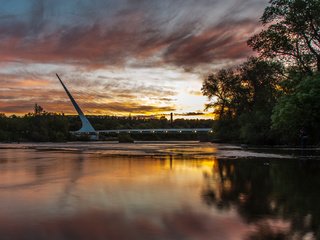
182 33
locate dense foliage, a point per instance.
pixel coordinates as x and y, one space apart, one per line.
243 99
270 98
301 108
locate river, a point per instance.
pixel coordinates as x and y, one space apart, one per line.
177 190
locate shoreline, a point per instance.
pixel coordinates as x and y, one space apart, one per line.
167 148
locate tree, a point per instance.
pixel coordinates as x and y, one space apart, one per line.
262 80
38 110
223 88
252 84
301 108
292 35
243 98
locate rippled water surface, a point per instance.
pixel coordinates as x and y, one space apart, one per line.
156 191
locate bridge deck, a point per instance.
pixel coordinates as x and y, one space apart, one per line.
157 130
88 128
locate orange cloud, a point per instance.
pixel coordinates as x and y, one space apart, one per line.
138 34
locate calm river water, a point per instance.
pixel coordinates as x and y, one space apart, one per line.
156 191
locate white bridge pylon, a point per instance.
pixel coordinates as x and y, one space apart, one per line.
86 125
88 128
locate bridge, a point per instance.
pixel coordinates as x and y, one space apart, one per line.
87 128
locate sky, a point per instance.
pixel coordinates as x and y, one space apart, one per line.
119 57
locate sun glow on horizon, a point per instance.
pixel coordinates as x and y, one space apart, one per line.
115 91
117 57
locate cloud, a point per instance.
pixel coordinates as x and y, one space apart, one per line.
115 94
11 104
219 43
80 38
191 114
136 33
126 108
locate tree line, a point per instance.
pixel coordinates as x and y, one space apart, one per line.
273 97
41 126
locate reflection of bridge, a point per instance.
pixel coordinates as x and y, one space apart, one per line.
88 128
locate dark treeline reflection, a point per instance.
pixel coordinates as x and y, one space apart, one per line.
280 199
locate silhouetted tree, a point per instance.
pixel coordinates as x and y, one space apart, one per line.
243 99
292 33
38 110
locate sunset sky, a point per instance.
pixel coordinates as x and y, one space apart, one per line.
119 57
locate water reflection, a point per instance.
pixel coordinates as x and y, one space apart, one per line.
65 195
280 199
